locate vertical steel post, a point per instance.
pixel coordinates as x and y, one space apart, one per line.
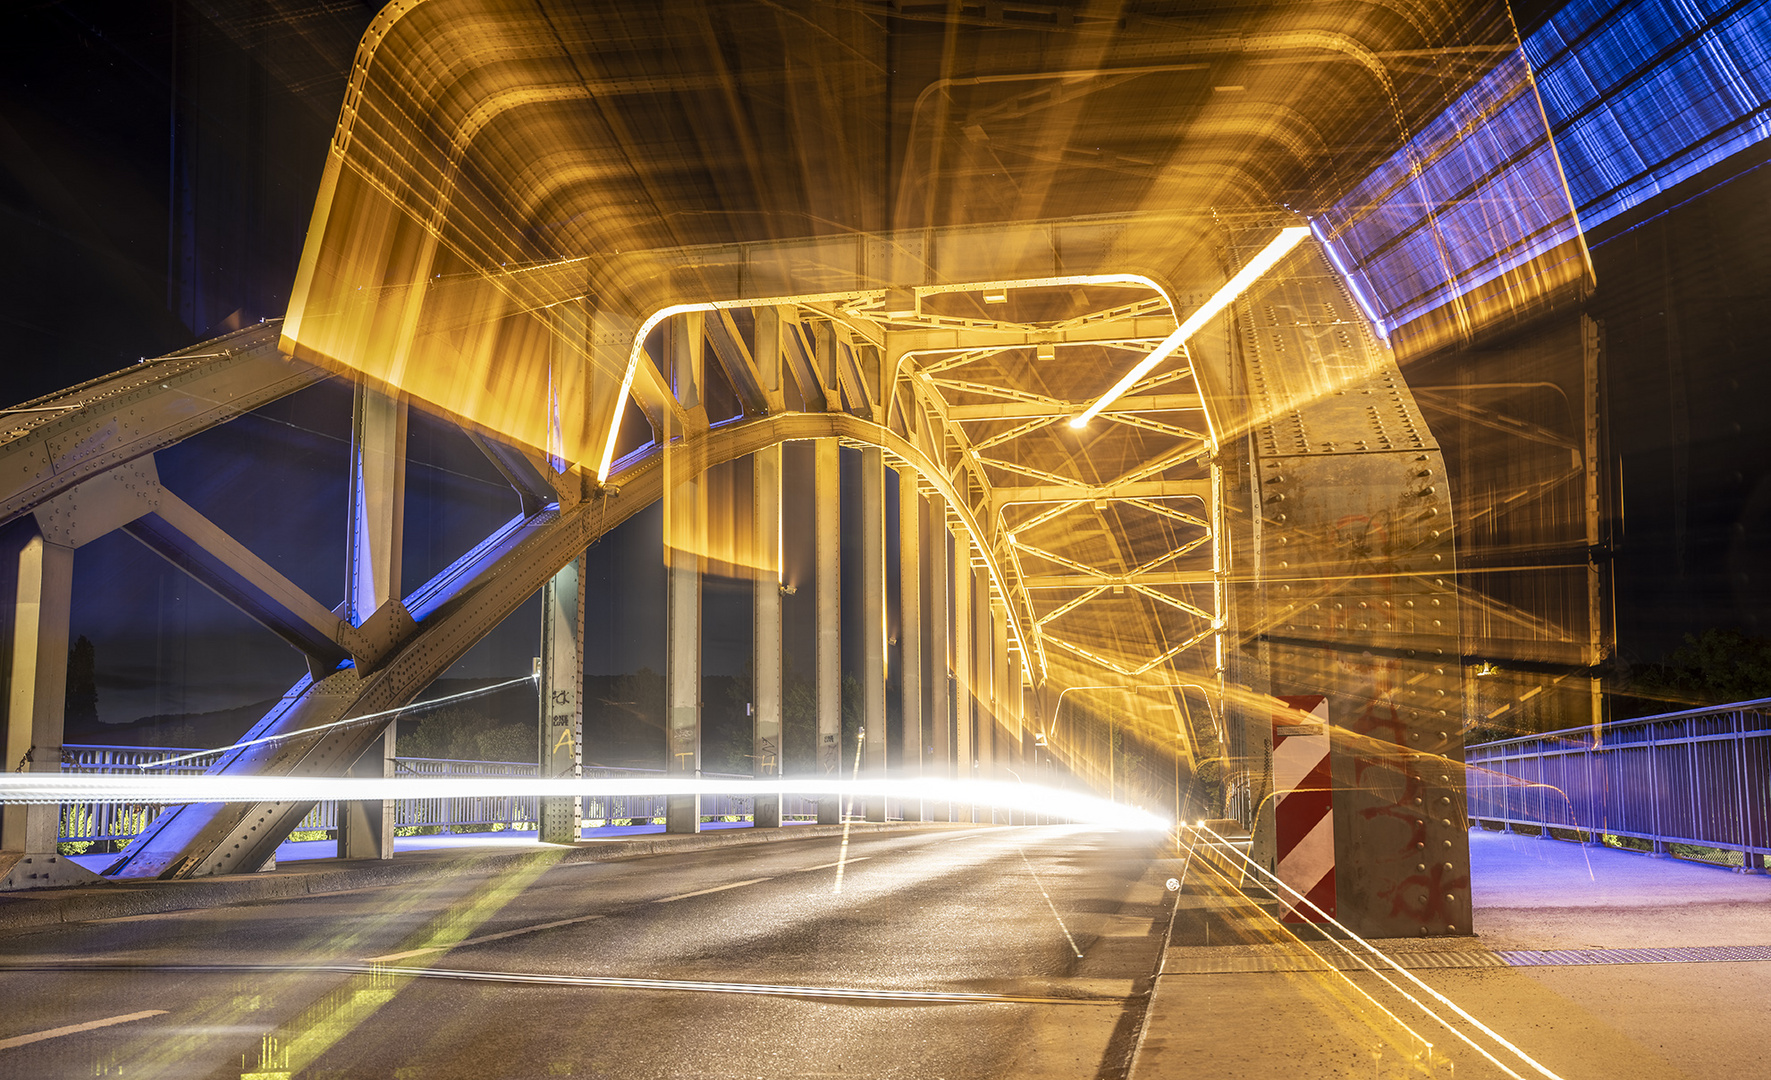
1659 848
983 675
827 482
939 615
765 611
965 756
873 623
561 697
685 523
910 657
1004 693
766 622
39 575
372 568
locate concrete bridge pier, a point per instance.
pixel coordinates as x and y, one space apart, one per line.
37 576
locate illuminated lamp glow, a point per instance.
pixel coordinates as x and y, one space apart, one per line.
1281 246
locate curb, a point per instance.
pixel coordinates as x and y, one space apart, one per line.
119 899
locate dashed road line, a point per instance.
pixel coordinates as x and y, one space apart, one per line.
828 865
716 888
391 957
75 1029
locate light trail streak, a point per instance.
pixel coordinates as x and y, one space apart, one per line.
1268 257
346 722
1232 890
836 993
842 853
1405 973
1052 802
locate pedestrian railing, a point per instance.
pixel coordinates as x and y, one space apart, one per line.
1700 777
104 827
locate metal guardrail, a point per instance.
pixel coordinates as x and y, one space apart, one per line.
109 826
1700 777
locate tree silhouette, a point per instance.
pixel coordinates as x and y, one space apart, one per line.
80 708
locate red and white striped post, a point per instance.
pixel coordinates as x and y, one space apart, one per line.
1303 807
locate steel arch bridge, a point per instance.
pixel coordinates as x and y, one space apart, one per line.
623 244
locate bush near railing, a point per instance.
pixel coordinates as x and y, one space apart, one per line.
1695 783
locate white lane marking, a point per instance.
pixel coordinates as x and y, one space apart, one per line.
828 865
75 1029
716 888
391 957
1048 902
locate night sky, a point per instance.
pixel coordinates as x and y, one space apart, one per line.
158 162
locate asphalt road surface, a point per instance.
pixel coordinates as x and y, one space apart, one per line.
940 954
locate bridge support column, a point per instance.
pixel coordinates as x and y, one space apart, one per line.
964 668
1005 731
372 568
685 525
1017 728
37 577
827 482
561 696
873 624
939 692
983 682
910 683
766 619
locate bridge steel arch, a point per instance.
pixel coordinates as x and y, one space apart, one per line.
1316 516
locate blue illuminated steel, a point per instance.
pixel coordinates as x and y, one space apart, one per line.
1465 221
1474 198
1646 94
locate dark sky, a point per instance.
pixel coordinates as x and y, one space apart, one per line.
156 176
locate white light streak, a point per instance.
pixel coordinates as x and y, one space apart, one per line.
1281 246
42 788
842 855
1225 845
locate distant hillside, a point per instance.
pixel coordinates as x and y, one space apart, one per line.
623 723
509 707
193 730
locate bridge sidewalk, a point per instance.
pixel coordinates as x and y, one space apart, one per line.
462 855
1597 963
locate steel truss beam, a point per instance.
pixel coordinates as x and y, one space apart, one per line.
452 612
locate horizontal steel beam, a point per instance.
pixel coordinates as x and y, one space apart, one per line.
1138 489
1091 581
1147 328
53 443
1030 410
